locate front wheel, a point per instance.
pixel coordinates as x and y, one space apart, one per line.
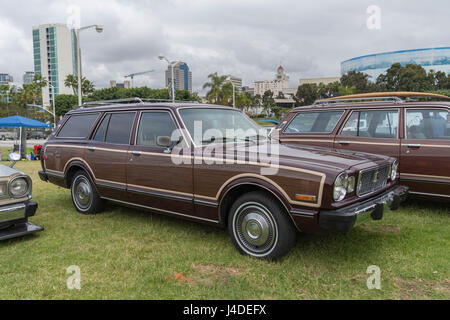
260 226
84 195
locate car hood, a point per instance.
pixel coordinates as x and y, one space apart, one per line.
6 171
314 158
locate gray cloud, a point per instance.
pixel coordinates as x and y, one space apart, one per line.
245 38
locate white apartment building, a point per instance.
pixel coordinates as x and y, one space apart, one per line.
54 50
279 84
237 82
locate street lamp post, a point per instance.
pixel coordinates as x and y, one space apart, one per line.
171 65
99 29
232 84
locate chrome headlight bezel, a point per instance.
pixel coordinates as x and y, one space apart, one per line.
25 193
394 170
340 187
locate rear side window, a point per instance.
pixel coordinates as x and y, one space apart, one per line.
78 126
314 122
428 124
372 124
119 128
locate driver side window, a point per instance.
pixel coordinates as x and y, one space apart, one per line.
152 126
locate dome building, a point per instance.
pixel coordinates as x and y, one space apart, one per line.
437 59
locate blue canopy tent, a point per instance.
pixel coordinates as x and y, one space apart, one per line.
22 122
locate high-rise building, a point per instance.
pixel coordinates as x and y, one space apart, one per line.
28 77
5 78
279 84
54 48
181 75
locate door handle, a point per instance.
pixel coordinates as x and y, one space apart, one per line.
136 153
91 148
413 145
344 142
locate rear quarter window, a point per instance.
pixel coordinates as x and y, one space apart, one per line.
78 126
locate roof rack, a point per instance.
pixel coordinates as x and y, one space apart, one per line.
131 100
384 96
326 101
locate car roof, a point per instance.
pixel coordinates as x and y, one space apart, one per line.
139 106
372 105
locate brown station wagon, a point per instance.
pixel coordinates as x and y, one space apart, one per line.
172 158
416 133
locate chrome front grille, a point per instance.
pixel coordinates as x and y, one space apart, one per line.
372 180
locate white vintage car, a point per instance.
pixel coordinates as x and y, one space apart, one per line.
15 202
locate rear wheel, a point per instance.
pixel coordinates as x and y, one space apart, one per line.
84 195
260 226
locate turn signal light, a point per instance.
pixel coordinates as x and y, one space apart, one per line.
305 197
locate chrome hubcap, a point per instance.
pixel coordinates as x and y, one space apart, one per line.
254 228
82 192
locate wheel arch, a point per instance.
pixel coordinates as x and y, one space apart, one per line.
239 187
72 167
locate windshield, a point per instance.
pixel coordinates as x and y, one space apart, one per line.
219 125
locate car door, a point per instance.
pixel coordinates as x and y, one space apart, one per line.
107 153
154 178
372 131
425 151
312 127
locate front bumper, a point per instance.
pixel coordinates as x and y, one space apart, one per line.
14 220
344 219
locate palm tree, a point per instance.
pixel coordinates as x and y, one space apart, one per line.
71 82
214 95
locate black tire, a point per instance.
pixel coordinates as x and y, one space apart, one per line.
84 195
269 232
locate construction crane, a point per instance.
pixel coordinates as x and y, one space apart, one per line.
137 74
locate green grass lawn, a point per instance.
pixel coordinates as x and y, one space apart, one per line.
130 254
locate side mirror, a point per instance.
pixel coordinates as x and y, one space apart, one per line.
14 157
164 141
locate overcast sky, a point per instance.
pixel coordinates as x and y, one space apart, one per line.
245 38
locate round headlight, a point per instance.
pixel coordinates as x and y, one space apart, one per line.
340 187
394 169
18 187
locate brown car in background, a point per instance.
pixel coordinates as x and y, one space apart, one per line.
417 133
127 153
